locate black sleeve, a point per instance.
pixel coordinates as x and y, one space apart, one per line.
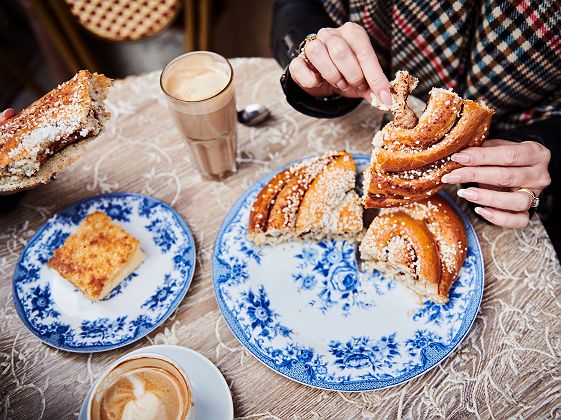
292 21
548 133
330 107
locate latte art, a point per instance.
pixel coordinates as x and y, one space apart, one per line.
146 388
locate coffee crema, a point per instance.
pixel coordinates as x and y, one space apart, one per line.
194 82
144 387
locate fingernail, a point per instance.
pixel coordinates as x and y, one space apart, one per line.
8 113
362 86
342 85
461 157
385 97
451 179
468 194
483 212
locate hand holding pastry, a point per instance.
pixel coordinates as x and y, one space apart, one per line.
507 173
411 154
341 61
6 115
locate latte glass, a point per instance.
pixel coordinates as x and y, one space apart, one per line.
144 385
200 93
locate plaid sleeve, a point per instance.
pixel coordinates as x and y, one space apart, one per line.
515 63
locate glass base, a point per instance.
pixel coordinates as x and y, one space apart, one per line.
221 176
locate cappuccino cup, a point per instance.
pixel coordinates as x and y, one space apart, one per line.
200 95
142 386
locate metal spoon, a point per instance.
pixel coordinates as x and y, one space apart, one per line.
253 114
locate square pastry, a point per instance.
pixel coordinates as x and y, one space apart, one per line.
98 256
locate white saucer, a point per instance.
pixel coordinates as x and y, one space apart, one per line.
211 394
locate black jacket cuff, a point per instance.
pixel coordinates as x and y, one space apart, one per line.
292 21
330 107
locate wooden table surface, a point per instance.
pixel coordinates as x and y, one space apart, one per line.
509 365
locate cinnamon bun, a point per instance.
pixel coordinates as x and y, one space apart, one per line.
410 155
313 199
422 245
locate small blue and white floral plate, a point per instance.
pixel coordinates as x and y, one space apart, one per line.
307 311
57 312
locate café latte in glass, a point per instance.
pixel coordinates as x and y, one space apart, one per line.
200 94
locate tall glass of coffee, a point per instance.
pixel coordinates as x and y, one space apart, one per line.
200 93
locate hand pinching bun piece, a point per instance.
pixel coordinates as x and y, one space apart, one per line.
422 245
311 200
410 155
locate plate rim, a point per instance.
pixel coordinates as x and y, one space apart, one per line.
101 348
251 348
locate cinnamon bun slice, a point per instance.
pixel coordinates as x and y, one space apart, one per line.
410 155
422 245
52 132
311 200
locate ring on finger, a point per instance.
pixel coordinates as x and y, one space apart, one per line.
535 199
309 38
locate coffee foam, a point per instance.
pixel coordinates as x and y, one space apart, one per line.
198 84
146 388
190 83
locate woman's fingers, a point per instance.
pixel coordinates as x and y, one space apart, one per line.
505 154
6 115
526 176
515 220
318 55
512 201
359 42
302 74
344 59
501 163
495 142
351 52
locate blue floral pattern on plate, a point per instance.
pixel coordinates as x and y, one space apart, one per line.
330 268
56 312
307 311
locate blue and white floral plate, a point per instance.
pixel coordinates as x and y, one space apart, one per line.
308 312
57 312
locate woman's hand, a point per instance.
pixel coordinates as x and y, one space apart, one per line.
6 115
341 61
501 168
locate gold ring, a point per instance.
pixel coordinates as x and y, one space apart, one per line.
305 57
309 38
535 199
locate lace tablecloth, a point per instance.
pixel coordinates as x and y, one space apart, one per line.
509 365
